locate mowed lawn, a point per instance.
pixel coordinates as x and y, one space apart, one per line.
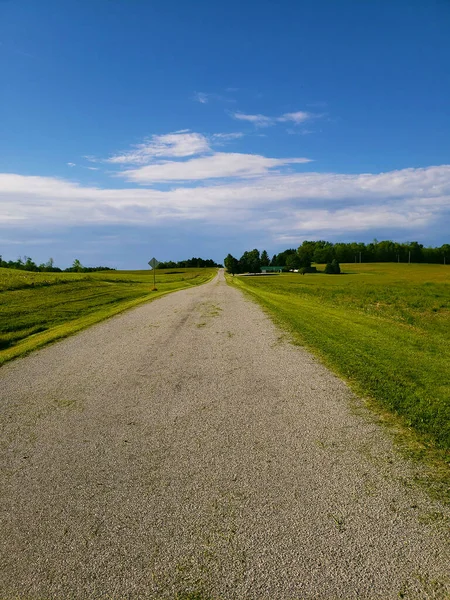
384 327
36 308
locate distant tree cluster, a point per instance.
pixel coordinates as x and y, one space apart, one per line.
252 261
27 264
322 252
77 267
196 263
329 254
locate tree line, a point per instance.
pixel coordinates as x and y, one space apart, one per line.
196 263
323 252
27 264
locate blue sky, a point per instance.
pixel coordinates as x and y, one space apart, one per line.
131 129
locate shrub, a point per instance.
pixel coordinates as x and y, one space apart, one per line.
304 270
333 268
336 266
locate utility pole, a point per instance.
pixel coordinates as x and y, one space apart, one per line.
409 257
360 256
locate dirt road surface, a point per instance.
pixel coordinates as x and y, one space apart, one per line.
187 450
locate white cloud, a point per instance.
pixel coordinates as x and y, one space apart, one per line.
358 219
178 144
227 136
280 206
218 165
71 164
201 97
257 120
296 117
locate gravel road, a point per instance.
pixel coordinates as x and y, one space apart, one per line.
186 450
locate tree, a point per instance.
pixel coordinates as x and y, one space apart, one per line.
77 266
323 252
231 264
48 266
343 252
416 251
30 265
250 262
279 260
265 260
336 266
306 252
293 261
333 268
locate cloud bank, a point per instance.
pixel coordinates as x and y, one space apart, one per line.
281 206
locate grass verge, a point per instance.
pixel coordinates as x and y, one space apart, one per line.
39 308
385 329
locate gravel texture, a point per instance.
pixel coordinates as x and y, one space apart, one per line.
185 449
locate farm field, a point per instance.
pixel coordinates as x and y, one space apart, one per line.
384 327
37 308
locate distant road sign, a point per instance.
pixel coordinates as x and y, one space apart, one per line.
153 263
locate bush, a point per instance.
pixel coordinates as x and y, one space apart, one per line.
336 266
304 270
333 268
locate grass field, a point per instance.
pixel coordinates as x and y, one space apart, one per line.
37 308
384 327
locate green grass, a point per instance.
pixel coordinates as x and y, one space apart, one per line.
384 327
37 308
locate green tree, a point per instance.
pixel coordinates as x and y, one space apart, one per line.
323 252
279 260
48 266
250 262
306 253
30 265
77 266
416 251
336 266
231 264
293 261
343 252
333 267
265 260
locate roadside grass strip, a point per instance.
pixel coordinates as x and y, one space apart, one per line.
39 308
384 329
